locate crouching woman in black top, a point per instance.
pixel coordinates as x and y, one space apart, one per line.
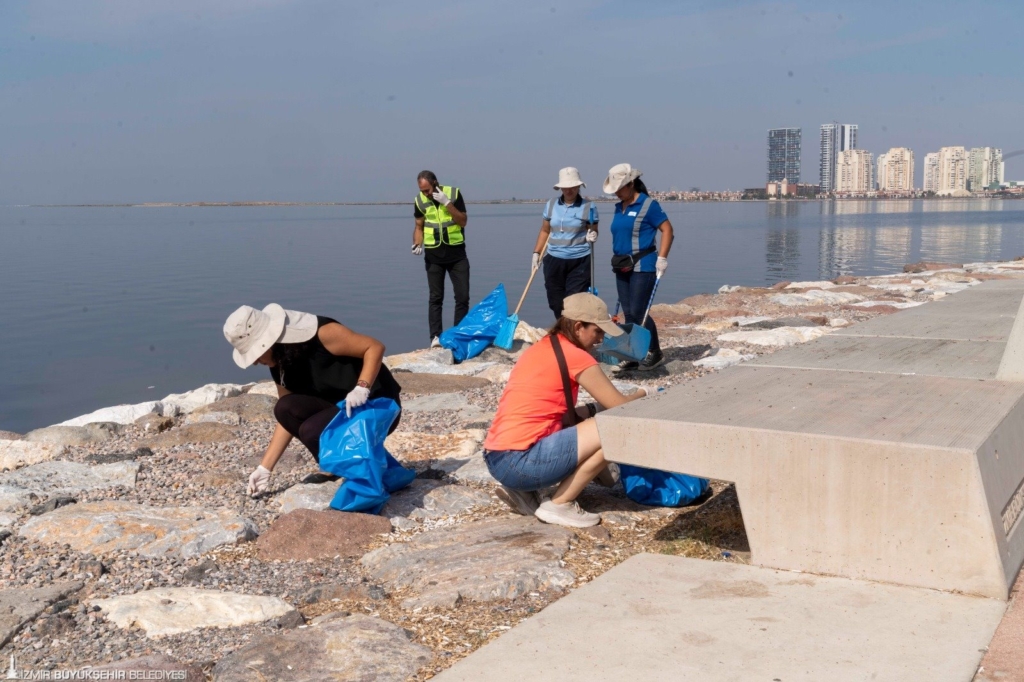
316 363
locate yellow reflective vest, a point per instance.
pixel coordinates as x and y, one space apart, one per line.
438 225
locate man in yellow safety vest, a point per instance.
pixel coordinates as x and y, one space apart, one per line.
440 214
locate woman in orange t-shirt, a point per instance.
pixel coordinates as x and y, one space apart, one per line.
530 445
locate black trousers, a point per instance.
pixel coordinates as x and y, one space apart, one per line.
458 272
306 417
565 277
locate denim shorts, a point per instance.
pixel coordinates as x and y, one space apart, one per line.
548 462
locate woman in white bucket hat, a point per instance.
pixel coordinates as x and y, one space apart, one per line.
315 363
638 258
568 228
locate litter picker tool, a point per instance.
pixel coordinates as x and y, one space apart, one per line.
593 282
634 344
506 335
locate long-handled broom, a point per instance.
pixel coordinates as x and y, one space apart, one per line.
507 333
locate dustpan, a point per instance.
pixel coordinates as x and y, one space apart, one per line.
636 342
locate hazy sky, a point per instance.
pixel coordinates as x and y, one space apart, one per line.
295 100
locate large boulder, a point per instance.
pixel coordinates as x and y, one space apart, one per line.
481 561
337 646
10 435
21 605
184 403
425 384
248 407
19 453
306 534
782 336
118 414
101 527
92 434
172 610
69 478
425 499
208 432
316 496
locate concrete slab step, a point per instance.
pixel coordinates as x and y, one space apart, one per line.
670 618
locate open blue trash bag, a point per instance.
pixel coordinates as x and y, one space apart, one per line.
630 347
478 328
353 448
660 488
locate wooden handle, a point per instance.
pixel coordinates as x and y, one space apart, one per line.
530 281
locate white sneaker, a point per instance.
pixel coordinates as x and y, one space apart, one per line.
568 514
524 503
435 342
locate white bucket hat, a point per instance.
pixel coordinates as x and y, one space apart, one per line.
253 331
569 177
619 176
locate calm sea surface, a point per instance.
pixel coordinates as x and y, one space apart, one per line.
100 306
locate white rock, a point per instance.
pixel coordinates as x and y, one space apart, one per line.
725 357
726 289
816 297
824 284
183 403
229 418
528 333
264 388
498 374
172 610
19 453
316 496
119 414
7 520
61 434
892 304
15 497
468 368
432 356
839 322
781 336
748 319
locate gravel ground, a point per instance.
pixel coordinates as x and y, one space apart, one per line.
214 475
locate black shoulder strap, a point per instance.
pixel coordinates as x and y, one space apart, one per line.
569 419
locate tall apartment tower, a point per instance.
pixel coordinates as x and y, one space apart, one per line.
896 172
985 168
953 162
784 155
931 172
835 138
855 171
880 172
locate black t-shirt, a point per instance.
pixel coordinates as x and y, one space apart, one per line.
443 254
314 370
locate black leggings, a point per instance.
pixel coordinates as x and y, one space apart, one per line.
306 417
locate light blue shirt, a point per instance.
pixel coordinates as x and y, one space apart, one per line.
568 232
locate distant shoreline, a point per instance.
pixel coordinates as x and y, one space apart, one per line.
273 204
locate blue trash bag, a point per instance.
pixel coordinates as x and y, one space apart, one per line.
353 448
478 328
660 488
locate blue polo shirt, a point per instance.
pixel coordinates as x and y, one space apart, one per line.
628 237
566 221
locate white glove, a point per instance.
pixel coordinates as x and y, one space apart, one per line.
441 198
357 397
651 390
259 480
417 249
591 236
535 263
661 266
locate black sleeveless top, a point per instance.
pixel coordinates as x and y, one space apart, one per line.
314 370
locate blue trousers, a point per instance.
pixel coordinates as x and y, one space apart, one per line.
634 289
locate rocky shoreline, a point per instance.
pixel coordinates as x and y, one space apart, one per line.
128 539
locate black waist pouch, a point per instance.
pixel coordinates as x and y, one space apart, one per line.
625 263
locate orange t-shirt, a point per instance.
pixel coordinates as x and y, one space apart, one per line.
533 402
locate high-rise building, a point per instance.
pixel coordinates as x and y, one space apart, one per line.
953 163
880 172
835 138
931 172
896 172
784 155
855 171
985 168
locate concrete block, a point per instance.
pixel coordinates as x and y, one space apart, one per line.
657 617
